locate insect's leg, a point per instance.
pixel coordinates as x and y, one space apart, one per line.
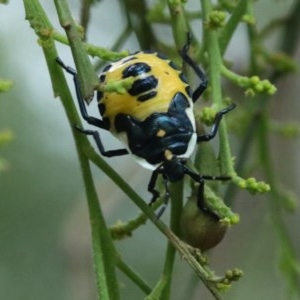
166 198
203 79
214 129
201 196
108 153
151 186
155 193
91 120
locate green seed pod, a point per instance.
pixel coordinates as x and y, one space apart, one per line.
200 229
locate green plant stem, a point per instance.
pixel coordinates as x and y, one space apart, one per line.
85 14
87 77
124 230
91 49
135 277
178 22
176 208
162 290
215 65
103 250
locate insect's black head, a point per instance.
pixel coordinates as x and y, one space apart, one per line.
173 167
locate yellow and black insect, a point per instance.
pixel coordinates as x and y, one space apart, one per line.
154 119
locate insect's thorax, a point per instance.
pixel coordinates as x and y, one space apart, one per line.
160 135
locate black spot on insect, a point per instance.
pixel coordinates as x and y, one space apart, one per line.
99 95
188 91
101 108
102 77
136 69
161 56
147 96
174 66
183 77
141 86
147 51
179 103
130 58
106 68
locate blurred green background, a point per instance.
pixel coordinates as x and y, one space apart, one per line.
44 235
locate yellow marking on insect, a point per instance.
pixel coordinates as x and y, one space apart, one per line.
168 155
169 83
161 133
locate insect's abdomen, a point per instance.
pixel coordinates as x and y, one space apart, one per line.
157 80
